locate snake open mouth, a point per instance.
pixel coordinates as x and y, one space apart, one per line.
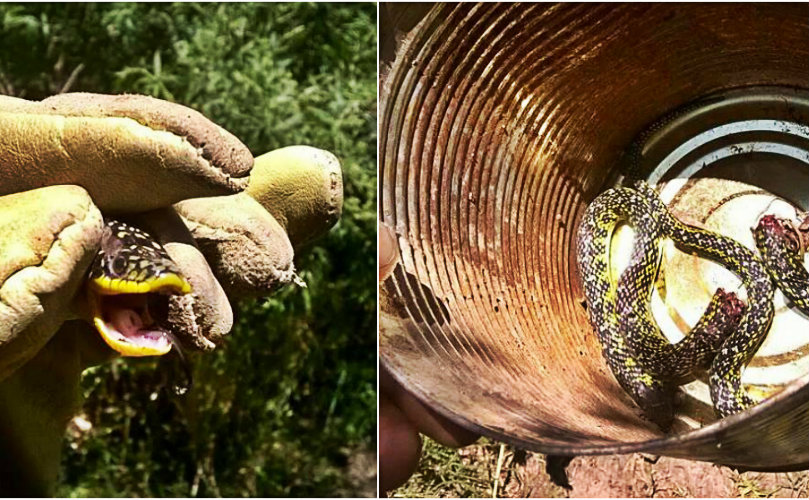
130 277
126 324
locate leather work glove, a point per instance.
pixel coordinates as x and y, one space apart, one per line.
165 168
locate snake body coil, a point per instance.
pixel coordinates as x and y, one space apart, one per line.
645 364
727 393
637 326
653 395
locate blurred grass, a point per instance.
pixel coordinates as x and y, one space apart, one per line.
289 402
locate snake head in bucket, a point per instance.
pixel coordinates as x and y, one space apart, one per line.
771 227
130 271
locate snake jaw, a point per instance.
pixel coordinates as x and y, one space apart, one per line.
166 283
126 326
120 313
129 270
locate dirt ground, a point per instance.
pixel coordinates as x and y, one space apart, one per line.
473 472
640 475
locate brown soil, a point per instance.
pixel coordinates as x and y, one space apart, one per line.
646 476
473 472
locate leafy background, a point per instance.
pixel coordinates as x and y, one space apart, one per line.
288 406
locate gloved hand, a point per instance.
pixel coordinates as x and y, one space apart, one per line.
69 159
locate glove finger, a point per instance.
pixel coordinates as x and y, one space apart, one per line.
114 145
295 195
247 248
302 187
199 319
48 238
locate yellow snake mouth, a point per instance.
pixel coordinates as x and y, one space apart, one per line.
120 307
127 276
121 313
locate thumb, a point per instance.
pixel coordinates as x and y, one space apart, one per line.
388 251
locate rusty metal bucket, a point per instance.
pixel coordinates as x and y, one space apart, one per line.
498 124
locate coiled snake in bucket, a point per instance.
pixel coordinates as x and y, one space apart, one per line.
645 364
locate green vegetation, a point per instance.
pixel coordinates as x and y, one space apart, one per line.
748 487
289 402
449 473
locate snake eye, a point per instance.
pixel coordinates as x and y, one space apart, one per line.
118 266
793 242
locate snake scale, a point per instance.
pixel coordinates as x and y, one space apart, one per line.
645 364
127 279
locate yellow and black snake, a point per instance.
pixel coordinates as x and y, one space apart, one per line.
782 249
638 327
615 314
631 343
126 280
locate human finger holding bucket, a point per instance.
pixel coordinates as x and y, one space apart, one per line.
402 418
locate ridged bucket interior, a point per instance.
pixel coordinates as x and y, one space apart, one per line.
499 123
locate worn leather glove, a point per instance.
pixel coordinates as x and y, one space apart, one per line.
69 159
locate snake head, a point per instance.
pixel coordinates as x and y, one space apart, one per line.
773 228
769 223
129 274
732 307
132 261
723 316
